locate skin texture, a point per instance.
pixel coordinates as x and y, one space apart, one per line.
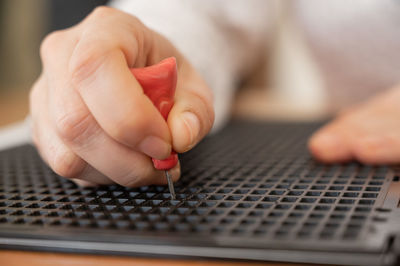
93 123
91 120
369 133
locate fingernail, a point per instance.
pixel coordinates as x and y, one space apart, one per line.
155 147
193 125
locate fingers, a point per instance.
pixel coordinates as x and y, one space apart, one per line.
121 164
192 115
331 144
52 149
117 102
101 76
369 133
97 118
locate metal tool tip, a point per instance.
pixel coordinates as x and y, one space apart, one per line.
170 185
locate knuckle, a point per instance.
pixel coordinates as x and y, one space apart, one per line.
83 65
74 126
65 163
50 44
102 11
130 180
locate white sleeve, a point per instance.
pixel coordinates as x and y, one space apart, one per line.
224 40
15 134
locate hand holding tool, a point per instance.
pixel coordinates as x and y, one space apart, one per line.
159 83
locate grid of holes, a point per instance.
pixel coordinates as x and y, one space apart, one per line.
249 180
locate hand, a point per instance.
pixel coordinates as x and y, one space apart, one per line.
92 122
369 133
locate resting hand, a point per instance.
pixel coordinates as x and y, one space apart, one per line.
369 133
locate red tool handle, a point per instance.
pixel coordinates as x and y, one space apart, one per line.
158 83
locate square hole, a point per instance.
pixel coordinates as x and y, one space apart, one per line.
245 205
226 204
304 233
296 214
277 192
270 199
256 213
263 206
310 224
323 181
336 187
322 208
300 187
366 202
260 232
343 208
282 186
327 200
289 199
275 214
316 215
346 201
234 197
340 182
314 193
370 195
216 197
372 189
354 188
295 193
259 192
375 183
351 194
331 194
358 217
318 187
252 198
362 209
338 216
268 222
303 207
308 200
283 206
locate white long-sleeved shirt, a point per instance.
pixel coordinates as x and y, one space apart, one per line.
355 44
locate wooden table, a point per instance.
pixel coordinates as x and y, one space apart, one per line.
13 106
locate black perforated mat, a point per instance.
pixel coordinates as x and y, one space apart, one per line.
250 192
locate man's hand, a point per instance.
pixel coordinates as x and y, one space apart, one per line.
91 120
369 133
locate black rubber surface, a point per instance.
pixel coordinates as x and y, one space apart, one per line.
251 185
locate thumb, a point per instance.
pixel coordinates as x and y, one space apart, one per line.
192 115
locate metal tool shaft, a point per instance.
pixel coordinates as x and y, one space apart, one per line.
170 185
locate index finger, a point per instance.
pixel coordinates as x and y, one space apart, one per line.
100 73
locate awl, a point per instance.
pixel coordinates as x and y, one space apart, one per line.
159 82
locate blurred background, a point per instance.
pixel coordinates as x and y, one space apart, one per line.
23 24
